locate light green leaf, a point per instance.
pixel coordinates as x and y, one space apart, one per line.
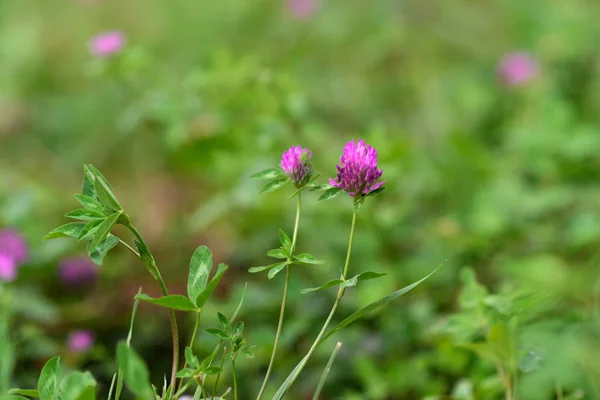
268 173
72 229
275 184
135 372
98 254
326 370
286 242
200 266
264 267
89 230
224 322
275 270
25 392
277 253
203 297
85 214
212 370
321 188
238 328
78 386
306 258
333 282
363 276
104 191
185 373
191 358
219 333
88 188
49 379
329 194
89 203
358 203
103 230
173 301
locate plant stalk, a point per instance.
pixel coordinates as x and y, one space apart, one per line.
192 341
235 396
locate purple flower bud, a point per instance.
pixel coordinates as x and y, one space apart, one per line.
77 271
107 43
8 268
297 165
518 68
302 9
13 245
357 172
80 341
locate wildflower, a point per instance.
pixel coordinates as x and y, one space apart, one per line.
302 9
8 268
80 341
76 271
297 165
518 68
357 172
13 245
107 43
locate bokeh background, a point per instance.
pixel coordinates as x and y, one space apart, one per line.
486 118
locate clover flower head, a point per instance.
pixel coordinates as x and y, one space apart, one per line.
296 163
518 68
357 171
107 43
80 341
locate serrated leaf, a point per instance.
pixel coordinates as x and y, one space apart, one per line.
89 203
333 282
78 386
97 255
191 358
212 370
363 276
173 301
89 230
277 253
218 333
275 270
275 184
306 258
286 242
321 188
85 215
49 379
103 230
238 328
135 372
254 270
72 229
329 194
267 174
203 297
200 266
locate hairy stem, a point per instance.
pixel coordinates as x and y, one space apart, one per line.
283 301
192 341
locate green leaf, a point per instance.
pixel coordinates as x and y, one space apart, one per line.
85 215
185 373
88 188
290 379
277 253
13 397
25 392
135 372
247 354
358 203
224 322
239 306
326 370
264 267
286 242
219 333
268 173
98 254
203 297
363 276
173 301
72 229
375 192
275 270
212 370
321 188
89 230
329 194
112 387
306 258
104 191
238 328
200 266
377 305
103 230
333 282
191 358
78 386
275 184
49 379
89 203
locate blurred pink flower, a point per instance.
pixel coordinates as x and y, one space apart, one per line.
518 68
302 9
13 245
185 397
107 43
80 341
77 271
8 268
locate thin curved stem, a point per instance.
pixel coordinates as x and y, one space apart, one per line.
192 341
283 301
131 249
212 395
234 379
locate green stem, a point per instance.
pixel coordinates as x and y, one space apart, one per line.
192 341
234 379
148 260
338 298
283 301
212 395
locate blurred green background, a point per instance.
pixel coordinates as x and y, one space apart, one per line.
500 177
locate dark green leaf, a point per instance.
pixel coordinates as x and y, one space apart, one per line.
238 328
72 229
89 203
363 276
200 266
329 194
286 242
321 188
306 258
376 191
275 184
262 268
103 230
88 188
333 282
277 253
218 333
268 173
98 254
173 301
49 379
85 215
88 230
135 372
104 191
191 358
203 297
275 270
224 322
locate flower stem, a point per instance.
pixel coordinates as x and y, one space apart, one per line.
192 341
234 379
338 298
283 301
219 374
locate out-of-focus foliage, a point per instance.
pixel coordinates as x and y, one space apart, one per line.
500 178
